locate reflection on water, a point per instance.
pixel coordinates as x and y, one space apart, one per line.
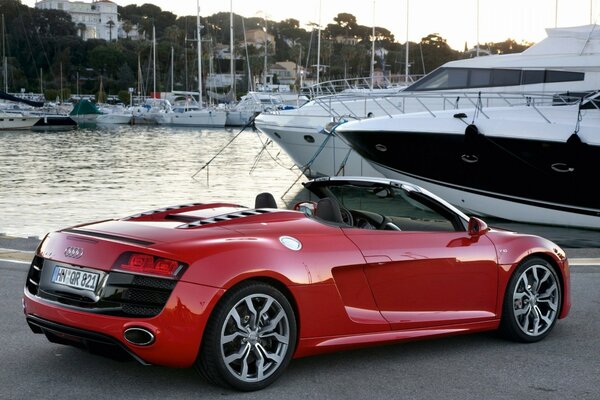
51 180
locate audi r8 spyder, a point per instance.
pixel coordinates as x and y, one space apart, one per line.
238 292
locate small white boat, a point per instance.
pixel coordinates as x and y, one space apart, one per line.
117 117
255 103
189 114
10 121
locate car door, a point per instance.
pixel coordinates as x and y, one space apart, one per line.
424 279
423 267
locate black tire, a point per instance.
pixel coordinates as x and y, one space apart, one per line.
532 302
249 339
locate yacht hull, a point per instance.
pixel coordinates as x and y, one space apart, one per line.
316 152
205 118
17 122
535 180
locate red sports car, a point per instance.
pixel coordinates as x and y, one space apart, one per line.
239 291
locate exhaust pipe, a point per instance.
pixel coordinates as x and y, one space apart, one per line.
139 336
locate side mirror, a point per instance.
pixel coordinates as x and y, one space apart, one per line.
477 227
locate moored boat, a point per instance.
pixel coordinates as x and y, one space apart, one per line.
525 163
567 60
10 121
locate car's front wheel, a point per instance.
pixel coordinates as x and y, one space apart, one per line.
250 338
532 301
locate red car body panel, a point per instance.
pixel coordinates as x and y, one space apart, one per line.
349 287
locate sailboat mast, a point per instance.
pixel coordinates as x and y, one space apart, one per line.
139 79
61 84
199 53
266 49
373 50
153 60
172 68
250 78
231 50
406 65
4 62
319 46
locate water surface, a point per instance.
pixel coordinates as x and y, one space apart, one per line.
50 180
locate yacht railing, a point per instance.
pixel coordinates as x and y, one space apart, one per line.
371 103
359 85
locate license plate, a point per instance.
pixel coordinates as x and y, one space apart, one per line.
75 278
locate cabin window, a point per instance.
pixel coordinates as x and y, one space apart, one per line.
563 76
480 77
506 77
465 78
533 76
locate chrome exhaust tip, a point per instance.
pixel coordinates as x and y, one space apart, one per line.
139 336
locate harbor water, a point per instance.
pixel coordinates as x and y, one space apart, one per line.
55 179
51 180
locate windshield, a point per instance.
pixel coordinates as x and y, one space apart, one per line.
409 211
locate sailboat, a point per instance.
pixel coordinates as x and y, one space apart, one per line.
191 112
256 102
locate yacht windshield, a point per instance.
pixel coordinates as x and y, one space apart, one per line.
465 78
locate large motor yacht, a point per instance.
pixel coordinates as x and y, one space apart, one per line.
567 60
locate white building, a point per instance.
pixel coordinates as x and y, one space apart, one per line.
95 20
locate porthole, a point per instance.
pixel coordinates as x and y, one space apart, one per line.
309 138
381 147
277 135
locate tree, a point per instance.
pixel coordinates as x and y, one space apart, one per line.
110 25
435 52
508 46
127 27
106 59
53 23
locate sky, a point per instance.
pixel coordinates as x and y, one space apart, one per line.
456 21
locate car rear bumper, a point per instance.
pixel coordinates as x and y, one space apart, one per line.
177 330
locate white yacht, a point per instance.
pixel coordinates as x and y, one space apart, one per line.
191 114
567 60
115 115
13 121
532 162
256 102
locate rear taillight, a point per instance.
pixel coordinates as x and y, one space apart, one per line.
149 264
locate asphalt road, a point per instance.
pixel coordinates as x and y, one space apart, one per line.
566 365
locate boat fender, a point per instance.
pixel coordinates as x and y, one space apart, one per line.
471 132
575 153
472 136
574 140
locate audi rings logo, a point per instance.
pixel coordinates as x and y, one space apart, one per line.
74 252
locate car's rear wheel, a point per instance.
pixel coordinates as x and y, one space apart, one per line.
250 338
532 301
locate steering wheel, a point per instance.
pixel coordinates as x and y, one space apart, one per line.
307 207
347 216
388 225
